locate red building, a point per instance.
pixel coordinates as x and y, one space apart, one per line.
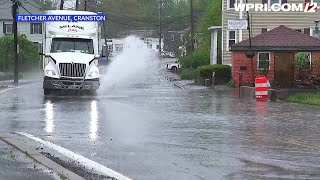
275 52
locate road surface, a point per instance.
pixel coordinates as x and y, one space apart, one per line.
149 129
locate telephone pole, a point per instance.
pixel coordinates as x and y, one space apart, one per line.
61 4
15 4
191 27
77 5
85 5
160 9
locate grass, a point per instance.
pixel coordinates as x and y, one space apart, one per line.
306 98
189 74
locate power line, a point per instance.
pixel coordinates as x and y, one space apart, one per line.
25 9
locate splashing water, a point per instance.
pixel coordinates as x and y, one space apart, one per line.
135 59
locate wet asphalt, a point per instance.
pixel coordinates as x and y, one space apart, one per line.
149 129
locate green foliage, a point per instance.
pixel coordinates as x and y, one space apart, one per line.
306 98
231 84
302 61
221 71
45 4
212 17
198 58
28 56
189 74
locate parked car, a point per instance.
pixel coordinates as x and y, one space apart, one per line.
174 67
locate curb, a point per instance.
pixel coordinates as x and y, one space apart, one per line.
181 87
11 83
39 157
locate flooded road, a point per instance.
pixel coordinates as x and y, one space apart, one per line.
149 129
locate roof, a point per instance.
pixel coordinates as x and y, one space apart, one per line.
30 5
280 38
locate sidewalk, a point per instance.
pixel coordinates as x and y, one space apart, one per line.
16 165
4 84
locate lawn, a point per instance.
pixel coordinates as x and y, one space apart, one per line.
306 98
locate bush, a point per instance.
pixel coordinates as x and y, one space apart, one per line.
189 74
222 72
198 58
28 56
231 84
219 69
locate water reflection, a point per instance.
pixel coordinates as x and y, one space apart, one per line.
48 108
94 120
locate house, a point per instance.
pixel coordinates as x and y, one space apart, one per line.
262 22
275 52
33 31
172 41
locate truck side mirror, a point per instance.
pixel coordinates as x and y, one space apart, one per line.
104 51
40 48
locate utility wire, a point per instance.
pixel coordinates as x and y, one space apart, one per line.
25 9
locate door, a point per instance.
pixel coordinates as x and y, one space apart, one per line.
284 69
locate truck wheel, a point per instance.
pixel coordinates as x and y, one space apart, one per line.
174 69
46 91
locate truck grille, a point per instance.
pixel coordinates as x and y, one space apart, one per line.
72 70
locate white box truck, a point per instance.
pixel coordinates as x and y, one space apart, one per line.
71 53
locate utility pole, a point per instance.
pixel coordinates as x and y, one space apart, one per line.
192 28
160 9
61 4
77 5
15 4
105 39
85 5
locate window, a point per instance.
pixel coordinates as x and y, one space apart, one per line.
271 2
157 46
231 4
172 37
231 38
299 30
304 56
35 28
7 28
72 45
119 47
110 48
263 61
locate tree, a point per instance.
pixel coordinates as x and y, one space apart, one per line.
46 4
28 53
212 17
302 62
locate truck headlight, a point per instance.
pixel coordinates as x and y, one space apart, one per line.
51 72
94 74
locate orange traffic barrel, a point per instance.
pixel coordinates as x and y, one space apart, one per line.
261 88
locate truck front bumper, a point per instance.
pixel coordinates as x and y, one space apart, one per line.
76 84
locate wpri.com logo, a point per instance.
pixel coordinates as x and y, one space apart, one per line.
276 7
310 7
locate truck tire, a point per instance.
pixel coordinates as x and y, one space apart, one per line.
46 91
174 69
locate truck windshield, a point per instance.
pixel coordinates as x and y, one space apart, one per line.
72 45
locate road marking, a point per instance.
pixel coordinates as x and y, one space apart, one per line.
3 91
157 73
84 161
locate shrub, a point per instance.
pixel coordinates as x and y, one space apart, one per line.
231 84
28 56
189 74
198 58
219 69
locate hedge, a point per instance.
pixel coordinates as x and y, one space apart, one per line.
221 71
